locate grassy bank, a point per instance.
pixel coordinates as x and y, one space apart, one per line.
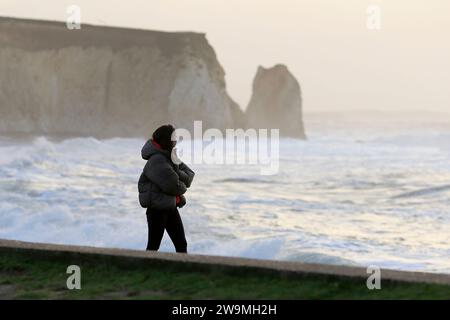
24 275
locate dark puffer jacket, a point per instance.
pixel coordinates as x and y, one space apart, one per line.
162 180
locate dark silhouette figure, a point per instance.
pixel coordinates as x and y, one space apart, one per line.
162 185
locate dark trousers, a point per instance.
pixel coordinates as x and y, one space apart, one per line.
170 220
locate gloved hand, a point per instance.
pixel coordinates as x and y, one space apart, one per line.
181 202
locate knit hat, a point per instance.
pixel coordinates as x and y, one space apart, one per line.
163 137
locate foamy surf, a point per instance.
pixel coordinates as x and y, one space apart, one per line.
333 201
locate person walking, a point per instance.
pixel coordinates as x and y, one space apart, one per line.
162 186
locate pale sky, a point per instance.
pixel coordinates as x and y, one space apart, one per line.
339 62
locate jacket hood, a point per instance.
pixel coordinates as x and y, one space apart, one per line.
150 148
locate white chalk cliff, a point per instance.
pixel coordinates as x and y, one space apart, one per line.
107 81
276 102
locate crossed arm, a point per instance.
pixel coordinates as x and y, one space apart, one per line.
165 177
185 174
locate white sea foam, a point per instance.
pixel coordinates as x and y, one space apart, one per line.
335 200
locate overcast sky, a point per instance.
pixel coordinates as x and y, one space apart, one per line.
339 62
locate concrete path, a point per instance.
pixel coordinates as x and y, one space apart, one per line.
206 261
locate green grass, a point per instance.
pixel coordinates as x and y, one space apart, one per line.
29 276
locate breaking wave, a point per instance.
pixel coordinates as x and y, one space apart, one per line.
333 201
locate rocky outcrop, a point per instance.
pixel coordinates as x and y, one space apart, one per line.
276 102
105 81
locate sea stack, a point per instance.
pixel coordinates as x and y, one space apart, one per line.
276 102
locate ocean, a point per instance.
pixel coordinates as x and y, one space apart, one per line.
361 190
